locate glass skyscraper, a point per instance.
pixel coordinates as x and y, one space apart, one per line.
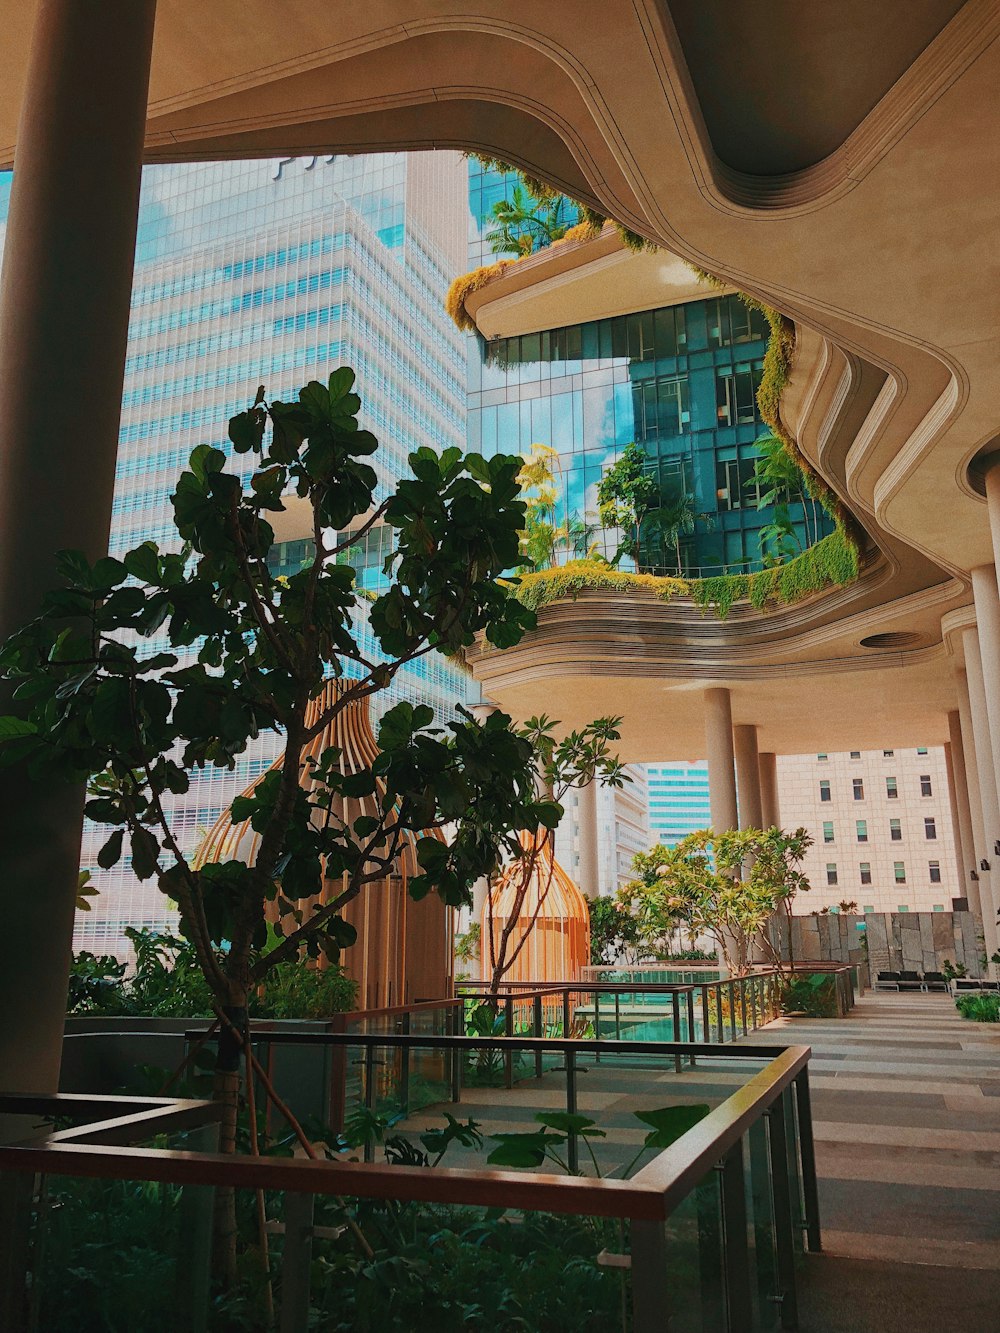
275 272
680 381
678 801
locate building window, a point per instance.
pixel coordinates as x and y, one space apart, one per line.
736 396
938 907
828 830
824 790
855 754
866 874
734 484
821 756
859 789
935 871
923 750
899 872
895 831
862 829
930 828
887 754
891 789
925 785
831 873
868 907
903 907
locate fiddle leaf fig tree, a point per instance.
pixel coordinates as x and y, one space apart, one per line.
102 696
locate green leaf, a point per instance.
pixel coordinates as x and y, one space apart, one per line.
143 562
522 1149
145 853
110 853
570 1124
670 1122
341 382
12 728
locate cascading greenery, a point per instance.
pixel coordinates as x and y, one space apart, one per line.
831 562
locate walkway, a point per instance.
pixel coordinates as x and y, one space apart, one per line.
906 1110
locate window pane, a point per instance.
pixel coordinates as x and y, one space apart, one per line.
859 789
930 828
828 831
866 872
862 829
925 785
891 790
899 871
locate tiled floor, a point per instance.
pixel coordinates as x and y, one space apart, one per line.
906 1111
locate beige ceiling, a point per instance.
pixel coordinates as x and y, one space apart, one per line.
838 159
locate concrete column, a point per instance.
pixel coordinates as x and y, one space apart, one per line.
960 812
769 808
984 591
747 775
64 306
975 886
987 788
589 877
719 753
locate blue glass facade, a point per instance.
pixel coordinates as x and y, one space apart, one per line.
680 381
678 801
274 272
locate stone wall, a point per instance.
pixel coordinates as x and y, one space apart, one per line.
896 941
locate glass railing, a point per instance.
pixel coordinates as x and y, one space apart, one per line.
107 1223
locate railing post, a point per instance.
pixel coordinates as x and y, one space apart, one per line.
404 1067
458 1030
193 1290
16 1190
734 1242
807 1158
296 1262
651 1291
566 1014
732 1008
370 1098
618 1016
572 1146
675 1001
597 1024
690 1018
743 1004
538 1028
706 1022
508 1031
784 1222
719 1014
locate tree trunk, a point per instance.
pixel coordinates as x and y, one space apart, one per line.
226 1091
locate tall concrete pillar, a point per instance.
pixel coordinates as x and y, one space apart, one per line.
975 886
987 600
747 775
770 808
719 753
988 882
961 814
589 877
64 306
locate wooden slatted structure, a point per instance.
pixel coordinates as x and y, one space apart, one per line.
553 913
405 949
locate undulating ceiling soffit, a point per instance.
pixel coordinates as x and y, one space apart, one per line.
783 85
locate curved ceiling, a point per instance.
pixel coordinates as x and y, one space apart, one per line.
839 160
782 85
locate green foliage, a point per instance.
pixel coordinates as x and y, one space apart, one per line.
625 495
167 982
727 886
980 1008
524 223
469 944
831 562
613 931
813 994
94 705
537 590
950 970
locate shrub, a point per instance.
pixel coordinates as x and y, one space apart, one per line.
980 1008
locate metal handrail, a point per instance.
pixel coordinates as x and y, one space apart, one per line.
651 1196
